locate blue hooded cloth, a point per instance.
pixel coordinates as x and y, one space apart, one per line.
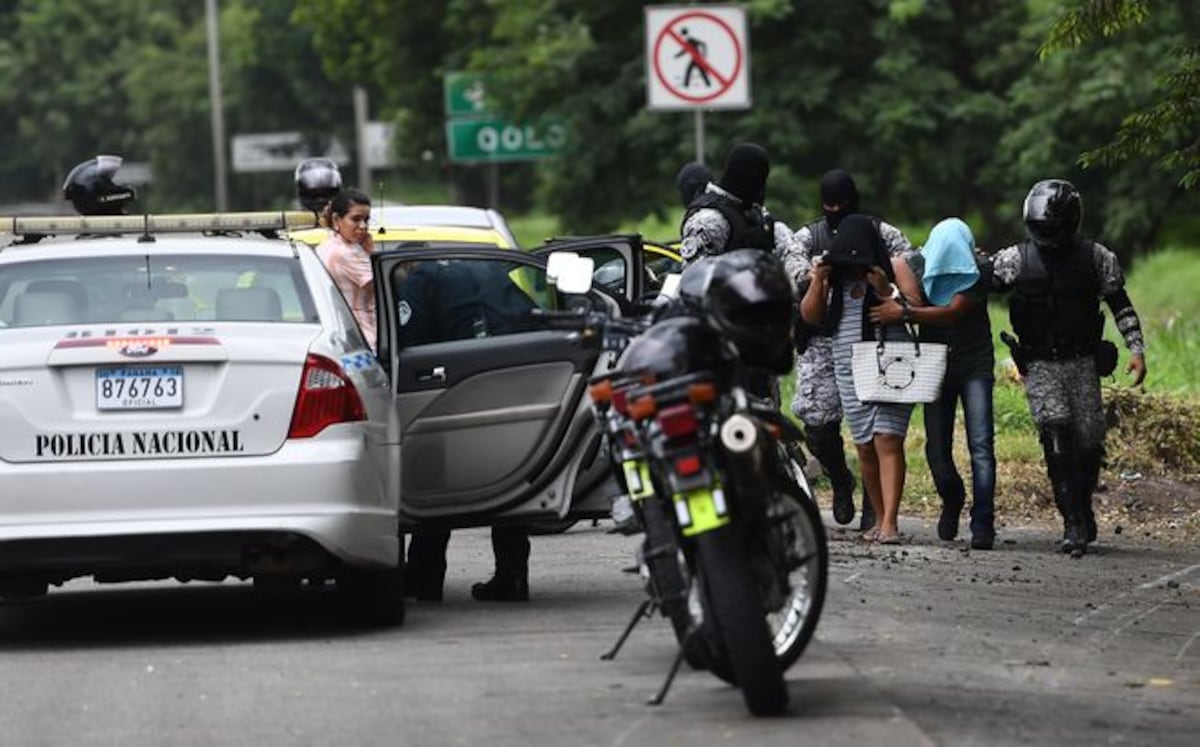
949 261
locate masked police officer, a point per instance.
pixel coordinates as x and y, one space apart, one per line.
691 181
1057 280
454 300
729 213
815 400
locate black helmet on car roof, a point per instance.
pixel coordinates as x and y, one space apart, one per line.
1052 212
746 296
91 189
317 181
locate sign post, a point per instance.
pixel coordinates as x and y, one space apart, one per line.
697 57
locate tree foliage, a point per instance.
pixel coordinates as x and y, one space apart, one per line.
1166 127
937 107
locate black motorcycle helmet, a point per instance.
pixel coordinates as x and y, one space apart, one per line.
317 181
673 347
745 296
91 189
1052 212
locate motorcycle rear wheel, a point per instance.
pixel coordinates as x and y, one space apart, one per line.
734 612
793 625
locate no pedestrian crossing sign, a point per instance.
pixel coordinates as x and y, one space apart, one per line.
697 57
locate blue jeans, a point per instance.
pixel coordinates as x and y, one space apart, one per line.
976 397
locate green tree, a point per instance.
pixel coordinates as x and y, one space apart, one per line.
1166 127
82 77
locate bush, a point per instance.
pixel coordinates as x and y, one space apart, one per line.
1152 432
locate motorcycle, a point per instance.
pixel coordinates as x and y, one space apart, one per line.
734 551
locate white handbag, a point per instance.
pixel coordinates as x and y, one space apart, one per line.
906 371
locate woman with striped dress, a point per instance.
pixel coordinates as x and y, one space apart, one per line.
855 274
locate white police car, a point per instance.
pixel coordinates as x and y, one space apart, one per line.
190 397
185 405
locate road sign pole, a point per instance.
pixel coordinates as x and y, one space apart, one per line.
699 118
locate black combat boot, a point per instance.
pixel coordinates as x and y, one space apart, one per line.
510 583
825 443
1089 467
425 571
1063 470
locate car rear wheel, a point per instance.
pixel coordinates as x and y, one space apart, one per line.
373 596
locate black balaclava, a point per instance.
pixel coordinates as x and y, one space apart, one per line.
691 181
838 188
745 175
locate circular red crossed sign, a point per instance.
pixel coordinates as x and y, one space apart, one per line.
725 82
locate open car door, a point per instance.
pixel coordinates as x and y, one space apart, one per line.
491 413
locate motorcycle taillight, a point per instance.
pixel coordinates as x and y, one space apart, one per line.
687 465
677 420
620 402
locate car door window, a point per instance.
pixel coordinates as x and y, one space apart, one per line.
440 300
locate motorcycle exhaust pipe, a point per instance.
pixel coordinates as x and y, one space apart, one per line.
739 434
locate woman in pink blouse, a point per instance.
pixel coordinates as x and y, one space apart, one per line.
347 256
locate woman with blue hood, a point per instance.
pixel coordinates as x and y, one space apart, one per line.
955 286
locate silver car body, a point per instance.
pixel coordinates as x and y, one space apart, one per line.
214 484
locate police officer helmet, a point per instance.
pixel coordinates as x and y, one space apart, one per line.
317 181
1052 212
745 295
91 189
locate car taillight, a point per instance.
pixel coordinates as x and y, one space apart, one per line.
678 420
326 397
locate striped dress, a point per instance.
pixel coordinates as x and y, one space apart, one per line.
865 419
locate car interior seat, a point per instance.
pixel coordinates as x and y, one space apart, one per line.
248 305
55 301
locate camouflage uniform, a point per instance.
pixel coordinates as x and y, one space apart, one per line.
816 400
1062 384
1068 391
707 232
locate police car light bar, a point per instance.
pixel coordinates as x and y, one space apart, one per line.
180 223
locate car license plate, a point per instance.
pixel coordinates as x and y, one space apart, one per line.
141 388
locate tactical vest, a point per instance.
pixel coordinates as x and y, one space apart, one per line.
822 237
748 227
1055 307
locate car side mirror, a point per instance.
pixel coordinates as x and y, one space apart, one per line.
569 272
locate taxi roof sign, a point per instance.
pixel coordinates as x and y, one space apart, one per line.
159 223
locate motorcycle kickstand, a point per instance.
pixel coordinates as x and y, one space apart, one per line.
645 609
661 695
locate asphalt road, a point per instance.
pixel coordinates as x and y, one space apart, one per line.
920 644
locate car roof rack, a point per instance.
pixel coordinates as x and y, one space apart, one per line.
269 223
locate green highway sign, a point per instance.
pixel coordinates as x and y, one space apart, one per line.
464 94
473 140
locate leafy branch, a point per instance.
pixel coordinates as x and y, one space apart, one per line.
1165 129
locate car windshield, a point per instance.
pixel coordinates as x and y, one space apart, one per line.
153 289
